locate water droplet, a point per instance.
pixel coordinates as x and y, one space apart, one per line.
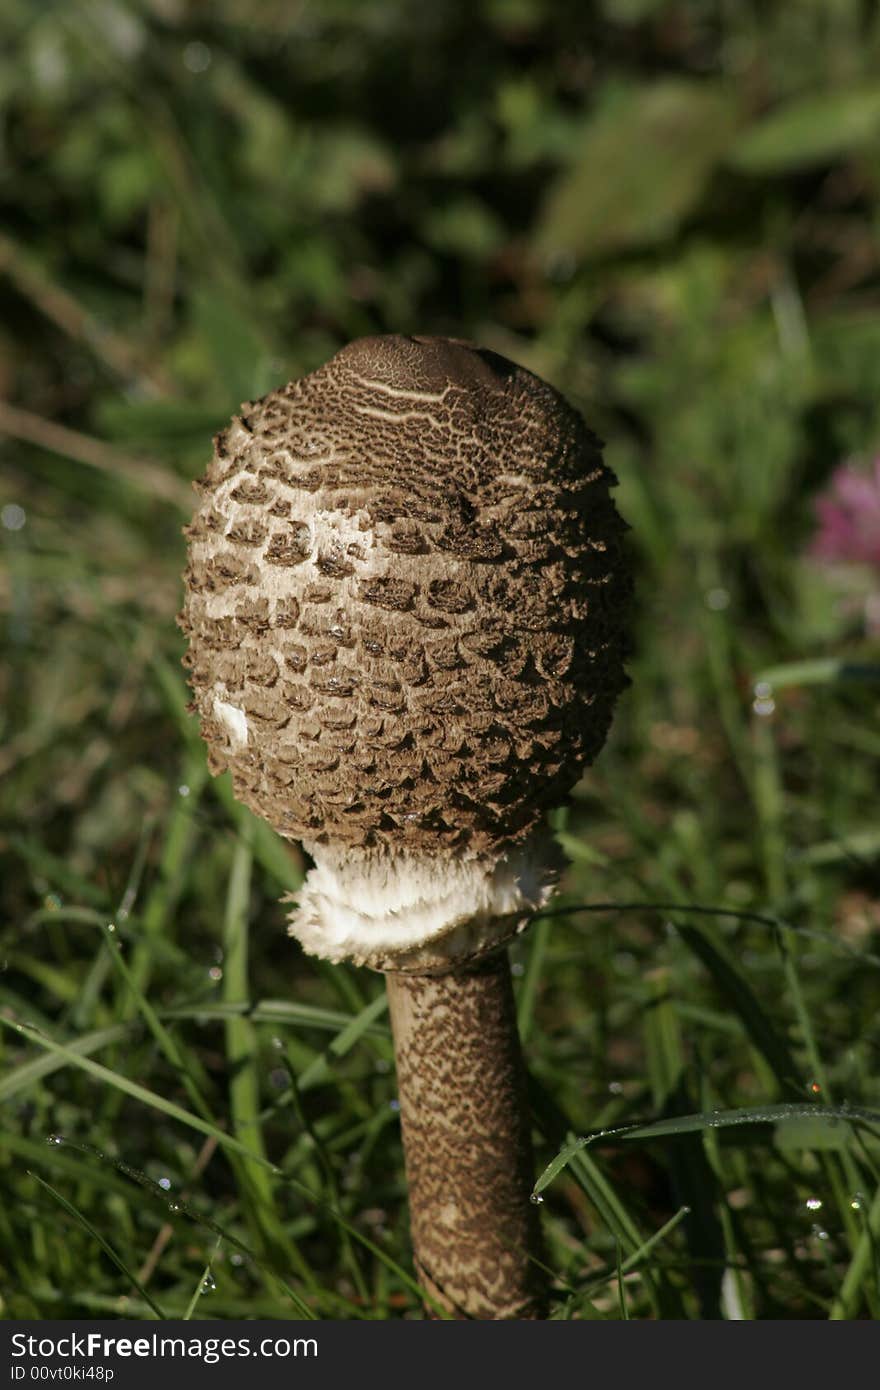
814 1088
236 1259
52 902
536 1199
174 1206
764 707
183 790
197 56
111 926
13 517
394 1105
164 1183
517 969
616 1088
209 1283
54 1138
215 973
278 1044
717 600
857 1201
820 1233
813 1203
763 690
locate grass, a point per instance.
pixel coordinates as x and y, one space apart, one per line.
196 1119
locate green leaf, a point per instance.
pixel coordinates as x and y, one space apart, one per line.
164 424
464 226
230 339
810 130
640 170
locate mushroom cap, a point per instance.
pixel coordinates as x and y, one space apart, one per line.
405 603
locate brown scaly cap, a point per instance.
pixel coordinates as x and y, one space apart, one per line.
406 602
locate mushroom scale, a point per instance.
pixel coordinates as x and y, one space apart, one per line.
405 604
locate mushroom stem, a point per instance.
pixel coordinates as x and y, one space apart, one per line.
461 1084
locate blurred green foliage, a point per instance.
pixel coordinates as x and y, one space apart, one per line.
669 210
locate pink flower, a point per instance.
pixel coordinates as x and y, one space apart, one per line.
849 517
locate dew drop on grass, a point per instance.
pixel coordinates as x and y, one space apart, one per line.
763 703
536 1199
197 57
56 1139
814 1088
13 517
820 1233
813 1203
857 1201
164 1183
209 1283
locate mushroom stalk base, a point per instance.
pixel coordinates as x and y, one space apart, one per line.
461 1084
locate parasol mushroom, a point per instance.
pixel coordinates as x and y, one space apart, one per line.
405 607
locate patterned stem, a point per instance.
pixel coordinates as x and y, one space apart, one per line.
461 1084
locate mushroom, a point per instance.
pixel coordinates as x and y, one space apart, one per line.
405 606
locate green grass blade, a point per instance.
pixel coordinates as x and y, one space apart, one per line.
710 1119
823 671
38 1068
528 988
753 1115
105 1245
205 1283
742 999
321 1069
